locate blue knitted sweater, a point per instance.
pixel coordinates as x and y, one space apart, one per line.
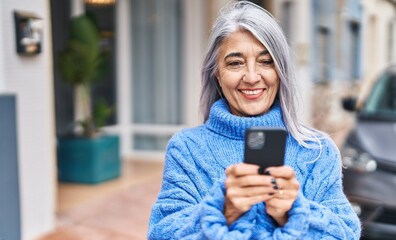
191 201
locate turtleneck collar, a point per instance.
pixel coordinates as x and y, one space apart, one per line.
222 121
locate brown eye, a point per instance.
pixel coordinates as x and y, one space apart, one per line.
235 64
266 62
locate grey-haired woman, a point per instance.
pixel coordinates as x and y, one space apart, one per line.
207 191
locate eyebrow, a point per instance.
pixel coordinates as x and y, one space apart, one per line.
238 54
233 54
264 52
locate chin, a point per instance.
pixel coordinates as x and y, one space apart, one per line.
254 113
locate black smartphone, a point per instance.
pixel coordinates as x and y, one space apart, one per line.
265 146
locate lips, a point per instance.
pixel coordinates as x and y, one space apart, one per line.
252 93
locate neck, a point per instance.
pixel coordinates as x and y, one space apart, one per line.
221 120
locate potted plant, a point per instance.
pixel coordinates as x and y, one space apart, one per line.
87 155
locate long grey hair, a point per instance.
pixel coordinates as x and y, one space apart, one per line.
244 15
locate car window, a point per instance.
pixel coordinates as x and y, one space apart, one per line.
382 100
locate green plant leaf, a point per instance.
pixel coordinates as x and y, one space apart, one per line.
83 62
102 112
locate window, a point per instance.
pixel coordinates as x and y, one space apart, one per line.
157 72
323 43
354 50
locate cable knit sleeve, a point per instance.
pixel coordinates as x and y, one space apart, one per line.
214 224
321 210
190 204
175 215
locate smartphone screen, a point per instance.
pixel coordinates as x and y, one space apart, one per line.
265 146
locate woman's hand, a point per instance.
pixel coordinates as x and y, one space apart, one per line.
287 188
245 188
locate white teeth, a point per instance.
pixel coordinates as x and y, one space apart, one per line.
252 92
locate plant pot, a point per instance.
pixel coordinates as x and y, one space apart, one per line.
88 160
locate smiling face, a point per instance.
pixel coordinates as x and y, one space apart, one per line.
246 74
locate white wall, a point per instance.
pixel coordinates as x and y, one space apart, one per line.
31 79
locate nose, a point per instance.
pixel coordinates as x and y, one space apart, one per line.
251 75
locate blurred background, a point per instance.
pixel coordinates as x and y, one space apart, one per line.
145 88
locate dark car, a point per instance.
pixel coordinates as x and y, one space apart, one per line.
369 155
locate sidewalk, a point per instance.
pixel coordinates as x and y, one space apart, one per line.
115 210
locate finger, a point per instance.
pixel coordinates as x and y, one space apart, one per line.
254 180
280 183
250 192
291 184
250 180
281 172
282 205
286 194
281 194
242 169
245 203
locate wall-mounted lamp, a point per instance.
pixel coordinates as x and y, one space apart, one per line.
28 29
100 2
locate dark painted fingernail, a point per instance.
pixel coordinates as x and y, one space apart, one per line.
261 171
276 187
273 181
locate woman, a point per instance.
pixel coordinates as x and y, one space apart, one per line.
207 190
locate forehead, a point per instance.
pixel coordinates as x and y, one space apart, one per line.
241 41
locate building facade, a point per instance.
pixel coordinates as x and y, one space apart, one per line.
379 40
346 43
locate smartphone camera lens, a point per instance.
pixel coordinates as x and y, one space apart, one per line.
256 140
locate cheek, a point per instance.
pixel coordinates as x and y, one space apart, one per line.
227 80
272 79
220 78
